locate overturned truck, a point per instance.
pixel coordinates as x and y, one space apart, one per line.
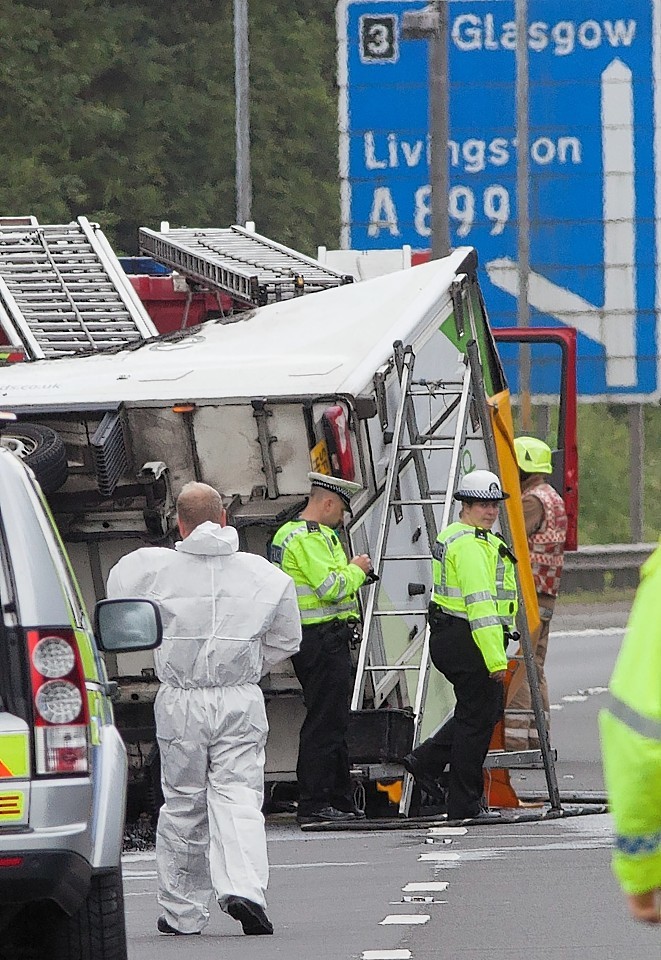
394 382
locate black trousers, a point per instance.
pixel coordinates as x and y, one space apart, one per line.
323 668
463 741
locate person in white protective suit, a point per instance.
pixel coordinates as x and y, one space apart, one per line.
228 617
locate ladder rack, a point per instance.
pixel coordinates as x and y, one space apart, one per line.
250 268
63 291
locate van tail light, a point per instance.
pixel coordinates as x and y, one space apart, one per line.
59 697
338 440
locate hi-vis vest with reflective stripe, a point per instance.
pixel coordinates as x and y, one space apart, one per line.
630 728
326 583
474 580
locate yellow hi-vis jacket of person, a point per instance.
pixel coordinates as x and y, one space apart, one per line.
631 740
474 579
326 583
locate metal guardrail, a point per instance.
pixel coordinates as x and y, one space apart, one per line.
594 566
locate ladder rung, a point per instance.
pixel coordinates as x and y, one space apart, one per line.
408 556
393 667
514 759
416 503
426 446
399 613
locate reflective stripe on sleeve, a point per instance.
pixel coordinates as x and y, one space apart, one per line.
485 622
327 613
631 718
477 597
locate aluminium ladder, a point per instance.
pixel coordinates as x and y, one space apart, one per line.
465 399
252 269
457 395
63 291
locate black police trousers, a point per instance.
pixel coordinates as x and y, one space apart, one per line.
323 667
463 741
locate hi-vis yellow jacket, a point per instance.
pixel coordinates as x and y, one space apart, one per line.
474 579
326 583
631 740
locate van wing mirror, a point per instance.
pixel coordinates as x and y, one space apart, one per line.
127 626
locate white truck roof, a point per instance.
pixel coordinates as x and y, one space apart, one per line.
327 343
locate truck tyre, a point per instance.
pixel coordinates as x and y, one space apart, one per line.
98 930
42 449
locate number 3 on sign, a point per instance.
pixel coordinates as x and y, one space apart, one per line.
378 39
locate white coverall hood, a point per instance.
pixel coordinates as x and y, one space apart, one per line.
228 616
209 540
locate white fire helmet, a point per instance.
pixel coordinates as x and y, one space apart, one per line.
480 485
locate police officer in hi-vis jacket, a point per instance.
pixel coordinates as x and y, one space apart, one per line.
470 615
310 551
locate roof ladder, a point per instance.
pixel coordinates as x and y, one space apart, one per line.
63 291
250 268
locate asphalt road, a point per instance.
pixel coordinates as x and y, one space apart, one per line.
526 891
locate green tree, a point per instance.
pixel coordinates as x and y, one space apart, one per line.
124 112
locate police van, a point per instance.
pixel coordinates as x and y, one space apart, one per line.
63 765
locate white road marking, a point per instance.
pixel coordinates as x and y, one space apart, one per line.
590 632
404 919
416 899
386 955
439 856
575 698
331 863
417 887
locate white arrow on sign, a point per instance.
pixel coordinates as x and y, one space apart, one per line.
614 324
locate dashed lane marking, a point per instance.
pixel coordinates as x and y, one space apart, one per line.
404 919
386 955
449 858
426 886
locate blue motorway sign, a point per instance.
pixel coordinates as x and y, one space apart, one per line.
595 84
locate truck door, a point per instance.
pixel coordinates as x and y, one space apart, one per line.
540 365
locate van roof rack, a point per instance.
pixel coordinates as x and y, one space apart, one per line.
63 291
252 269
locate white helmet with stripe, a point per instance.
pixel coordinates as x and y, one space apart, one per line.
480 485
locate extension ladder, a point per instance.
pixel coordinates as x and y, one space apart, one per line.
464 412
63 291
252 269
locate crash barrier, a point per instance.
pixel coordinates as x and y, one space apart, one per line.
598 566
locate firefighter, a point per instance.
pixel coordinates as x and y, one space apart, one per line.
546 529
631 747
310 551
471 613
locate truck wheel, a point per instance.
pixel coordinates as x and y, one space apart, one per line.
43 451
97 931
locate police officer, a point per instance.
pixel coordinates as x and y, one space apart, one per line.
472 609
309 550
546 528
